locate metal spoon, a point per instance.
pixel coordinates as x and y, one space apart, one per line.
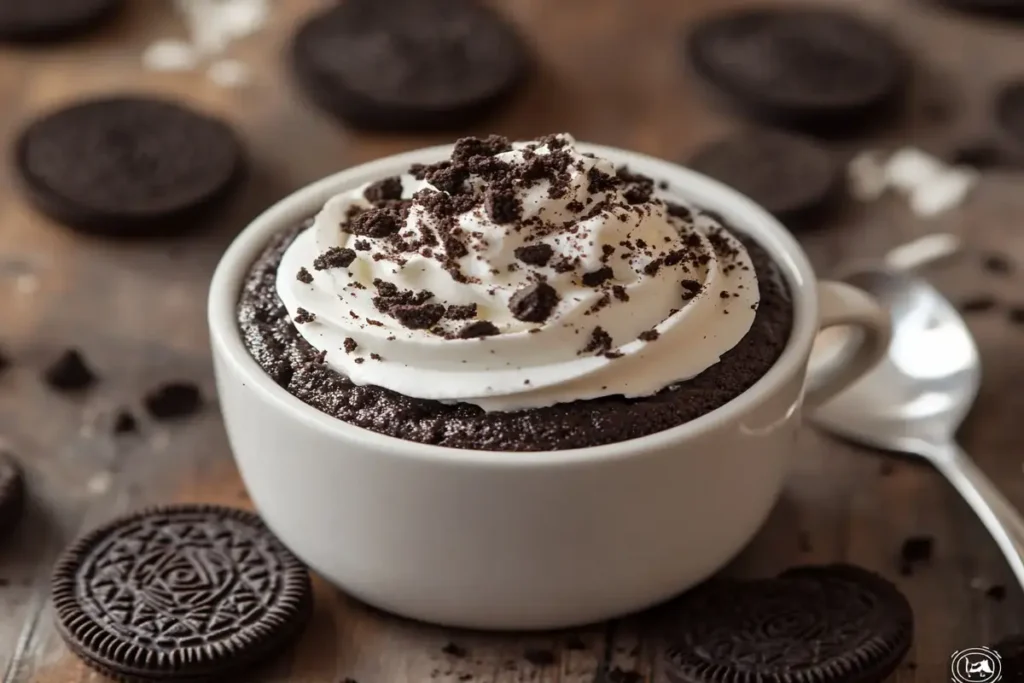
916 398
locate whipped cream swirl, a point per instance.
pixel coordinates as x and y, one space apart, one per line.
517 276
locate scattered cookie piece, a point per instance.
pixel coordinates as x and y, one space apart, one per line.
181 593
455 650
127 166
30 21
173 400
125 423
12 492
792 177
978 304
1016 315
914 551
70 372
797 67
996 592
833 624
5 361
1000 264
409 64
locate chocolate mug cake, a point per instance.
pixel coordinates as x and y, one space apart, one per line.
515 297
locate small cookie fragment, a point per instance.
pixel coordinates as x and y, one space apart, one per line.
409 65
534 303
800 67
35 21
828 624
127 166
125 423
792 177
70 373
173 400
12 492
181 593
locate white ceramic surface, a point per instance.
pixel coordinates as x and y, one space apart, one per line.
500 540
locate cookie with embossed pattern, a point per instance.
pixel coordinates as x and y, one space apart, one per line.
128 166
800 67
11 492
184 593
826 624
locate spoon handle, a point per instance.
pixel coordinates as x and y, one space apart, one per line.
998 515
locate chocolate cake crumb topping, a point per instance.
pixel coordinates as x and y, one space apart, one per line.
467 148
534 303
304 276
599 181
375 223
461 312
361 245
335 257
376 357
535 254
598 277
350 345
649 335
418 317
600 342
620 293
503 205
691 288
360 361
384 190
70 372
480 328
302 316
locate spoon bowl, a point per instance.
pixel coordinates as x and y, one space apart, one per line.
927 383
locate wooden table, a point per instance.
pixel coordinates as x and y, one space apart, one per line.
610 74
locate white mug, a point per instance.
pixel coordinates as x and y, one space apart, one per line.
534 540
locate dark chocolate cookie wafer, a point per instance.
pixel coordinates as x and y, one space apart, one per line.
829 624
50 20
127 166
1000 8
11 492
800 67
792 177
185 593
408 64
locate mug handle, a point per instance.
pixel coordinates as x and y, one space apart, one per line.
840 305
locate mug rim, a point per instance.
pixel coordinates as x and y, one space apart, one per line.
236 262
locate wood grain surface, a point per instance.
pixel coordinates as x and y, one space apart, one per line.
609 73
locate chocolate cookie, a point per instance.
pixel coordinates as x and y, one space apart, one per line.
189 593
1001 8
799 67
12 492
828 624
46 20
408 64
127 166
792 177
